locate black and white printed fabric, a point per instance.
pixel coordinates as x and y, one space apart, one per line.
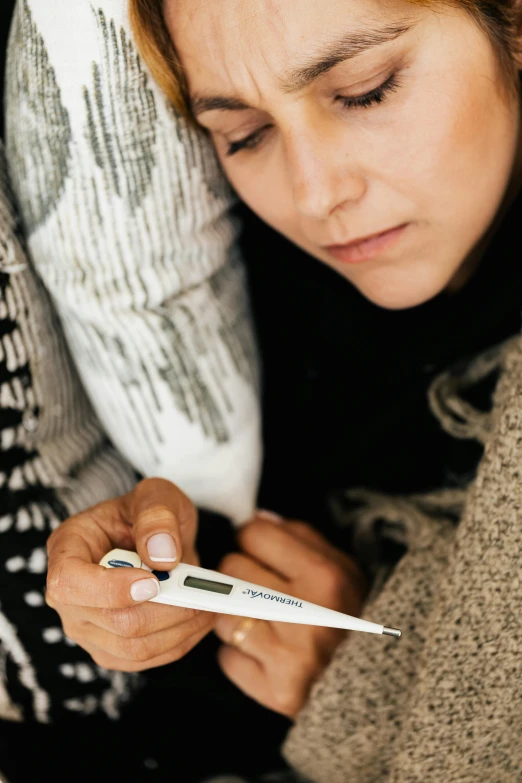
127 216
54 461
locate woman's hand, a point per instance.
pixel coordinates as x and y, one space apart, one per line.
276 663
106 611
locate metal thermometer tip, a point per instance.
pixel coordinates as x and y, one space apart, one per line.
392 632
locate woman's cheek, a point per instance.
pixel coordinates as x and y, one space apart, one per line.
271 199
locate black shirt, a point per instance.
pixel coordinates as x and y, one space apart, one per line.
346 382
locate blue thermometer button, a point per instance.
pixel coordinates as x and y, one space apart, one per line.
120 564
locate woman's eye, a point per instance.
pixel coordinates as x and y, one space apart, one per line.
248 143
378 95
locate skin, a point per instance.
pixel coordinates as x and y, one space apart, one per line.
98 611
277 663
437 154
95 604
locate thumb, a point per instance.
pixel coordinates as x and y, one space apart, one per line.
164 524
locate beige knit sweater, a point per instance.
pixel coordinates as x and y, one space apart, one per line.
445 702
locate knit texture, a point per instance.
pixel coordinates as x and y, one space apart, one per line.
443 703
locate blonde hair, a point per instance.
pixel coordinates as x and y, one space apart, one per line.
496 17
155 46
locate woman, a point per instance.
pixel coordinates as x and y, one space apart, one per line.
383 140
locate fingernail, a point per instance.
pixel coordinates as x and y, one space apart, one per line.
161 548
269 515
144 589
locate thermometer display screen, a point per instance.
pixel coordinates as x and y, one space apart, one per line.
206 584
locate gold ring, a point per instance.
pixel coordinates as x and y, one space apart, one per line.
242 630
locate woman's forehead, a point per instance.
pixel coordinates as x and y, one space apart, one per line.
251 41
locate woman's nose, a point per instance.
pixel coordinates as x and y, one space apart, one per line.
323 177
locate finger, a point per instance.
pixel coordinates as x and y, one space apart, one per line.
164 523
91 534
73 580
243 567
308 535
75 548
250 677
275 547
140 620
112 662
314 539
305 533
142 649
259 642
244 671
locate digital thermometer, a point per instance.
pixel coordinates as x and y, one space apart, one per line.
199 588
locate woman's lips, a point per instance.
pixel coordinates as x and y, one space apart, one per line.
367 248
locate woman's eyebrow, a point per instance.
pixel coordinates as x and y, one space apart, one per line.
346 48
201 103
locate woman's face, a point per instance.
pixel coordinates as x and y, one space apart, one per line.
339 120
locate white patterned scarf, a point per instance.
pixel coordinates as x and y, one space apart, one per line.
127 217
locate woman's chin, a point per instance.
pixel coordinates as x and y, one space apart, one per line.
402 289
